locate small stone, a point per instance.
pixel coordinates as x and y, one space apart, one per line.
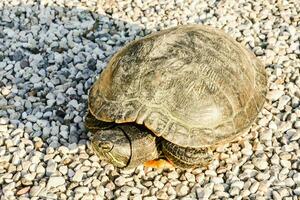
254 187
9 187
5 91
51 167
110 185
120 181
274 95
289 182
147 183
23 190
285 163
64 134
162 195
182 190
217 180
172 175
273 125
234 191
150 198
31 118
60 99
77 176
276 195
82 190
266 135
297 125
296 178
92 64
71 173
263 186
238 184
29 177
158 184
18 55
77 119
41 170
245 193
74 104
63 169
210 173
297 191
35 190
218 187
35 79
73 148
63 150
260 163
205 192
283 192
24 63
55 181
283 100
96 183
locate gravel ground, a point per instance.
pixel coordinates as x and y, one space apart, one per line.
52 51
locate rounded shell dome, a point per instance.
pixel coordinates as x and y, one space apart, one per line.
193 85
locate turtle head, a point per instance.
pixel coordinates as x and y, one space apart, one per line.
113 146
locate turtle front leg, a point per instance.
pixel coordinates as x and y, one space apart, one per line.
186 157
159 164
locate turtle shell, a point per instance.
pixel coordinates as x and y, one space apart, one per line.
192 85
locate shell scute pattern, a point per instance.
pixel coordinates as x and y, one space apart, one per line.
193 85
157 122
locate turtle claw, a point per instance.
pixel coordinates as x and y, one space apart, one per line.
159 164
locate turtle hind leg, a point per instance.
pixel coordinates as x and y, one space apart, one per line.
186 157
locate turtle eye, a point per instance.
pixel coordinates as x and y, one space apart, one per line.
106 146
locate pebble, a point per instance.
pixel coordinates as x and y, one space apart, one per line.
162 195
172 175
23 191
296 178
260 163
51 167
41 170
297 191
254 187
82 190
150 198
237 184
182 190
283 100
5 91
297 125
266 135
55 181
77 176
63 169
120 181
35 79
18 55
274 95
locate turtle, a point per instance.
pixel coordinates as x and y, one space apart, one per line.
174 95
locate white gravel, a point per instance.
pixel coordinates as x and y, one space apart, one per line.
52 51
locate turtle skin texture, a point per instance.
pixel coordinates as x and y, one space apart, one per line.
191 87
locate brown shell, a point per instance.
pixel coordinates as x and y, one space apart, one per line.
193 85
